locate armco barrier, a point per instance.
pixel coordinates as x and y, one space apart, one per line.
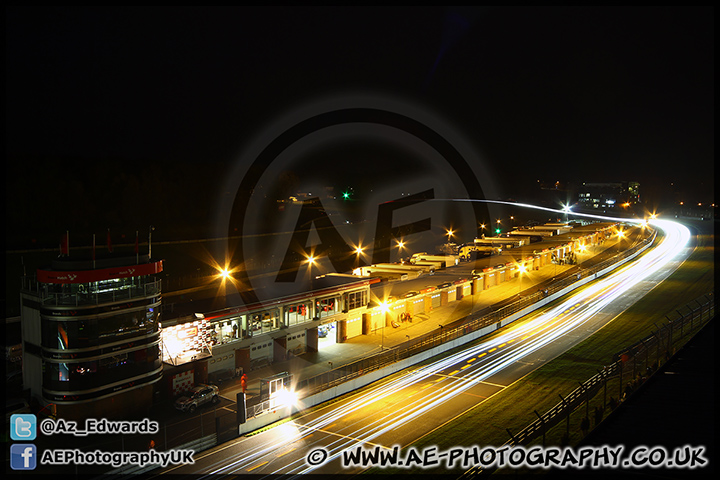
347 378
643 357
337 382
487 323
341 388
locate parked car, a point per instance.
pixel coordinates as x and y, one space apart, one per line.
199 395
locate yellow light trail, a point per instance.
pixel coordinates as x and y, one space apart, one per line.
542 330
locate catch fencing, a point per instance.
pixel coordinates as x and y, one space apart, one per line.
629 368
472 323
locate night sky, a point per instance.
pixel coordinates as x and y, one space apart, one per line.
120 116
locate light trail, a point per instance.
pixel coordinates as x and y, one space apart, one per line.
565 211
494 355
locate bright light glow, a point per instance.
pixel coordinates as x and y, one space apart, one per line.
506 349
285 398
401 244
535 207
359 250
224 273
311 260
542 330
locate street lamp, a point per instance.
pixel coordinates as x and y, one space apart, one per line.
400 245
224 273
384 308
311 260
521 270
358 255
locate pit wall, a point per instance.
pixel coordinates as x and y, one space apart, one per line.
364 380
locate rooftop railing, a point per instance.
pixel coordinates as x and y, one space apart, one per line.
47 297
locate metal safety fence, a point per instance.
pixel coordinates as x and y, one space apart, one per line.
462 327
629 369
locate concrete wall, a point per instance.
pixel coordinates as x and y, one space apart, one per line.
358 382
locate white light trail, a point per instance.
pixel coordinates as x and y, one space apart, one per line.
541 331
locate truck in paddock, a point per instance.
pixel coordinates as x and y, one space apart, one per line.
443 260
473 251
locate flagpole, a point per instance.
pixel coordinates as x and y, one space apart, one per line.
65 244
93 251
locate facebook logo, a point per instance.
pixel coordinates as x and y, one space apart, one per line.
23 456
23 426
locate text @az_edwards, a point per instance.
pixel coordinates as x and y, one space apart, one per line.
94 426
